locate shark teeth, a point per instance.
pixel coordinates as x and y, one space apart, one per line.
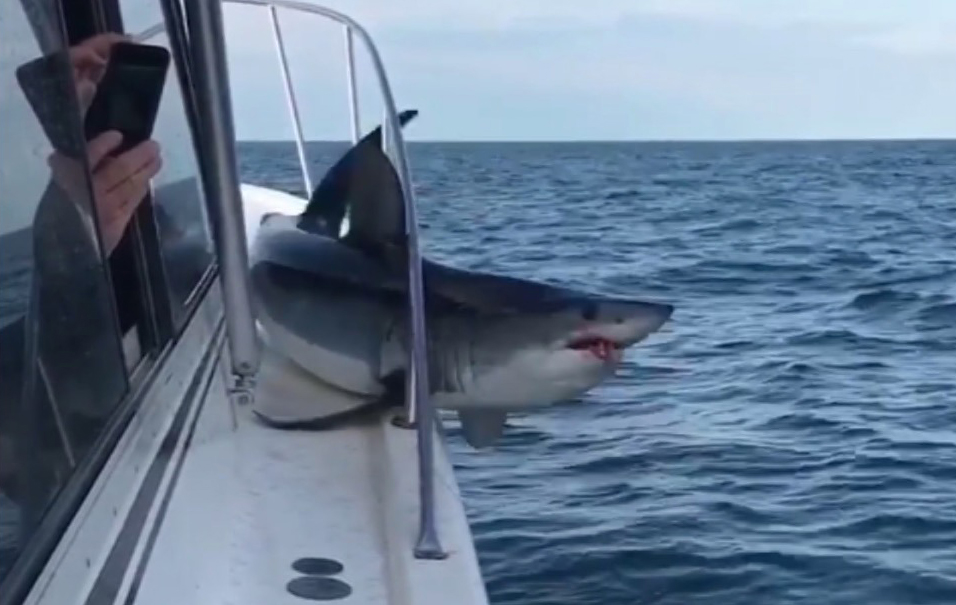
602 348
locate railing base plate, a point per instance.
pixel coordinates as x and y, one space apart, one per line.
401 421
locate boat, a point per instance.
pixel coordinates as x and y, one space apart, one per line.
173 493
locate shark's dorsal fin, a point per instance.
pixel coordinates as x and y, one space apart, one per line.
355 180
376 206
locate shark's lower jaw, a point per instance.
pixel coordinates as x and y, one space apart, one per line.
602 348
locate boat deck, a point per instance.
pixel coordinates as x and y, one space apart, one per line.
252 504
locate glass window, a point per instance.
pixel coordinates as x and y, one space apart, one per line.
62 372
178 198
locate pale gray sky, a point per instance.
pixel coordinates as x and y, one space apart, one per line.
605 69
617 69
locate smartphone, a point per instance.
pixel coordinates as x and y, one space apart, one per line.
46 82
127 97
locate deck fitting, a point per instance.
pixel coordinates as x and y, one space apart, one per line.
401 421
317 566
319 588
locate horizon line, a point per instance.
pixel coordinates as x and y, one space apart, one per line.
915 139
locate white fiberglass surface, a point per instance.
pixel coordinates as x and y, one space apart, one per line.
251 500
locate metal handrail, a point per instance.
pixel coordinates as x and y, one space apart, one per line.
290 99
205 27
418 405
353 89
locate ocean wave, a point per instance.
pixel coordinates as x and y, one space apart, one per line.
883 297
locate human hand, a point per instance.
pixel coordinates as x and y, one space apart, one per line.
89 59
119 183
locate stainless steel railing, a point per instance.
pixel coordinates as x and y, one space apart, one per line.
206 33
208 52
290 98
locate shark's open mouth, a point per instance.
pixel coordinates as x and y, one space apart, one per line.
602 348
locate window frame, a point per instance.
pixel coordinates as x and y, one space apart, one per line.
171 12
80 20
140 246
40 543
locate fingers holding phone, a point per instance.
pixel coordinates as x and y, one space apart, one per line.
120 182
89 60
120 85
126 103
93 53
129 93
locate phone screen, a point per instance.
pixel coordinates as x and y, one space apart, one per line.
127 98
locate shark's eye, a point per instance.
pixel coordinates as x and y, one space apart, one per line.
589 312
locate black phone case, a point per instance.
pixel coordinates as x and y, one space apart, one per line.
116 91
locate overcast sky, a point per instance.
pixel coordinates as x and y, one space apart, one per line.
616 69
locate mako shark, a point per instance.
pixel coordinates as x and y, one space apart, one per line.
337 306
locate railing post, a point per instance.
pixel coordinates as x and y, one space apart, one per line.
388 143
427 545
290 99
204 20
420 411
353 90
418 407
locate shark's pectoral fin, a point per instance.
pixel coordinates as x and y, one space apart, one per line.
482 429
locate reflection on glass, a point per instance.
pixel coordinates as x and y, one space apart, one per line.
178 197
61 367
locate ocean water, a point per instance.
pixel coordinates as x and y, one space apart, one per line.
790 438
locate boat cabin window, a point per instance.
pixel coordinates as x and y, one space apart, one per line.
83 306
62 370
178 198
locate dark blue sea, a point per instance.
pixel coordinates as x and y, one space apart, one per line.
791 438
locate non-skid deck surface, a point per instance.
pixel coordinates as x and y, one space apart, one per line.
335 513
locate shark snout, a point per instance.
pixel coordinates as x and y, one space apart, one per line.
647 319
627 323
